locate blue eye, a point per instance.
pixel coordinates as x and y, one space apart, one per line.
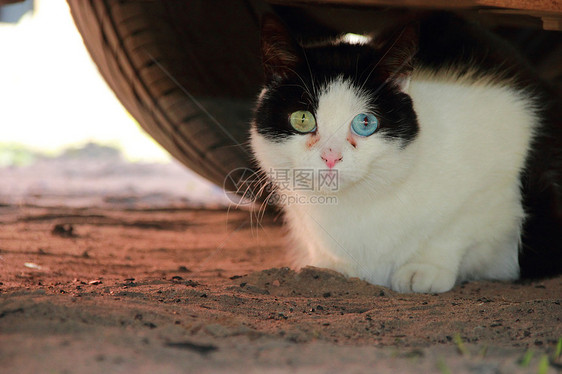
364 124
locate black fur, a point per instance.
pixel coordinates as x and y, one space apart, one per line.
319 65
541 247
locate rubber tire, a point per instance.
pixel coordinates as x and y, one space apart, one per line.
188 71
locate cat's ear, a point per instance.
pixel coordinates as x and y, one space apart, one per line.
280 52
398 53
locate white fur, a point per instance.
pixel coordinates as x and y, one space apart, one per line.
443 209
351 38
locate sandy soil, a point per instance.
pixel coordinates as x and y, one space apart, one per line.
169 290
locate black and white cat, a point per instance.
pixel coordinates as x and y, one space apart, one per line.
446 148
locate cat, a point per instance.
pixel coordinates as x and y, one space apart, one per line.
445 146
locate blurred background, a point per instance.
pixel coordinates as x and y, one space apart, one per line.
64 136
189 72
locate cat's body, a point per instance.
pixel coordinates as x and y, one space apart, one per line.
442 191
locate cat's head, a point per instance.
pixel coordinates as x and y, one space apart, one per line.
335 108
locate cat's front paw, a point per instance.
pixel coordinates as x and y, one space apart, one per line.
423 278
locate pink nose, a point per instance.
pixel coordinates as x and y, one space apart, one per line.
331 157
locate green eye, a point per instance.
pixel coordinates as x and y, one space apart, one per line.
303 121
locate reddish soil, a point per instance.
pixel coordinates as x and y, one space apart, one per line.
97 290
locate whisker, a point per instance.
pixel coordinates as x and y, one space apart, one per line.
309 70
306 88
382 58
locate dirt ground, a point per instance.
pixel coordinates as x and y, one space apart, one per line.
169 290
